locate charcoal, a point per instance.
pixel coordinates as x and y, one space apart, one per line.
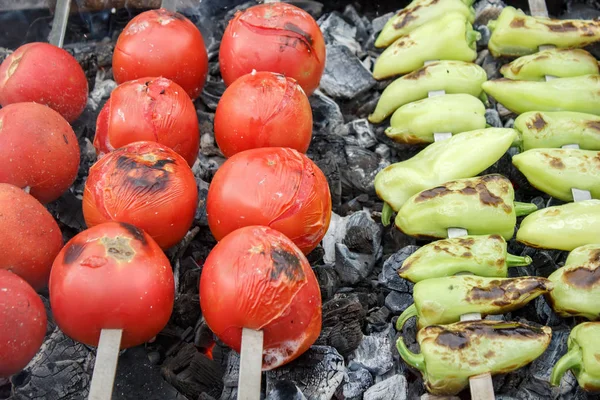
394 388
510 123
285 390
101 92
398 302
493 118
378 319
327 116
379 22
208 145
68 211
361 23
394 239
545 314
329 163
337 31
335 234
363 165
328 279
314 8
361 133
389 277
383 151
344 77
485 36
206 167
231 377
211 93
363 235
201 217
356 383
374 353
341 324
503 111
485 10
352 267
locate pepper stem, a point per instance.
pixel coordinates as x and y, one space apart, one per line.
566 362
524 208
410 312
517 261
472 36
413 359
386 214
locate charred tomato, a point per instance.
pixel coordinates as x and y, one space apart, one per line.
112 276
257 278
272 186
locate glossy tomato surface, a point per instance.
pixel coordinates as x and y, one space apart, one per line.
153 109
145 184
257 278
276 37
38 150
162 43
30 237
272 186
45 74
112 276
263 109
22 323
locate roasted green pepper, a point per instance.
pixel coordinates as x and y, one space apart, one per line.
416 122
451 76
409 52
553 129
579 94
577 284
561 63
582 358
556 171
515 34
450 354
563 227
481 205
482 255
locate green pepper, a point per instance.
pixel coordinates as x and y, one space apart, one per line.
556 171
563 227
577 285
553 129
579 93
416 122
409 52
561 63
451 76
418 13
481 205
482 255
582 358
464 155
451 354
515 34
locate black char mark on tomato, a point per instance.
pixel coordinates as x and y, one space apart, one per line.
286 263
73 252
152 178
135 232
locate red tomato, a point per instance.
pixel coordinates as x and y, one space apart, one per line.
112 276
272 186
257 278
145 184
263 109
162 43
38 149
154 109
31 239
276 37
45 74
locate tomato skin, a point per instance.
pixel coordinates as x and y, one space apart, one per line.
31 238
112 276
257 278
162 43
45 74
263 109
276 37
271 186
145 184
39 149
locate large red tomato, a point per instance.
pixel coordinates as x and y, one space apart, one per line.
263 109
45 74
38 150
272 186
30 239
276 37
145 184
162 43
257 278
112 276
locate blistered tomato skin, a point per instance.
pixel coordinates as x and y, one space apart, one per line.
112 276
22 323
162 43
257 278
263 109
153 109
272 186
145 184
276 37
45 74
38 150
30 237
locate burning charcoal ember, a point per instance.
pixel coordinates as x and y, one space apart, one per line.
343 319
389 277
485 10
493 118
339 32
363 165
285 390
344 77
327 116
360 133
374 353
328 279
355 384
394 388
398 302
211 93
378 320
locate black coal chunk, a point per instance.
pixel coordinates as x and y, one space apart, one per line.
374 353
355 384
211 93
360 133
352 267
345 77
363 235
285 390
363 166
338 31
327 116
231 377
395 387
389 277
343 318
328 279
398 302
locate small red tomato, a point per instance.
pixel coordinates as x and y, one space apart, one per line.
31 238
38 150
272 186
263 109
162 43
276 37
45 74
22 323
257 278
154 109
112 276
145 184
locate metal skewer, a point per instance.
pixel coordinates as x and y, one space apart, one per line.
59 23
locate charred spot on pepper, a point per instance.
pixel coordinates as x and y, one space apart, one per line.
595 125
517 23
137 233
286 263
408 17
73 252
538 123
582 277
418 74
504 292
466 242
567 26
452 340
